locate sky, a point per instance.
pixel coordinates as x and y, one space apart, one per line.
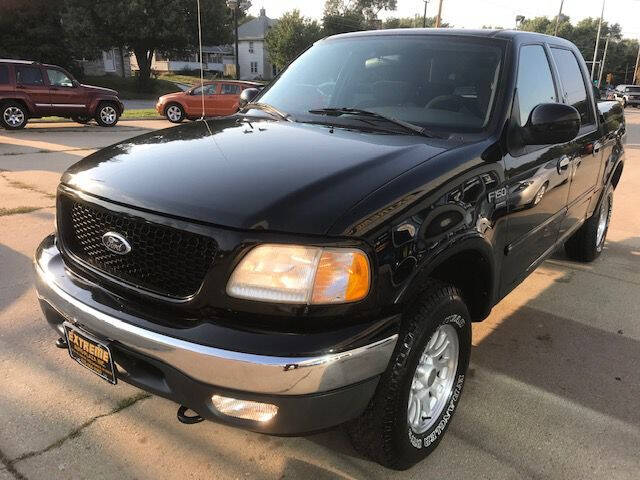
476 13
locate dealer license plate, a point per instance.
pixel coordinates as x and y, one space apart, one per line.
90 352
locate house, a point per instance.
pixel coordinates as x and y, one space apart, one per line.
214 60
116 61
252 53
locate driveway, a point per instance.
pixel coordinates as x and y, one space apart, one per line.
553 389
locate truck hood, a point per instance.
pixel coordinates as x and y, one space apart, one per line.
264 174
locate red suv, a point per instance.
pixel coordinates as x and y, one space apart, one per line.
34 90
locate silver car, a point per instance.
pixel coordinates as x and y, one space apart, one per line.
628 95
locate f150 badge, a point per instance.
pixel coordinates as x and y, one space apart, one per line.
497 195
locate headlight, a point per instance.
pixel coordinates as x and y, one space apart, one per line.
298 274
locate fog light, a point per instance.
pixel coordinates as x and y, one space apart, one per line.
234 407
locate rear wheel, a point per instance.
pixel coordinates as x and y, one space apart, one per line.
13 115
418 394
587 243
174 113
107 114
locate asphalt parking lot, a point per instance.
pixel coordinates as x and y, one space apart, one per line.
553 389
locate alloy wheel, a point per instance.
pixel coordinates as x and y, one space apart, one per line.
433 379
108 114
13 116
603 221
174 113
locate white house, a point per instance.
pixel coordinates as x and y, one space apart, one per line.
252 53
115 61
214 60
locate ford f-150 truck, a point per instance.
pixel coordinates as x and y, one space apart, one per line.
317 259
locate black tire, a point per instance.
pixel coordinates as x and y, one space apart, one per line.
587 243
107 114
13 115
83 119
383 432
174 113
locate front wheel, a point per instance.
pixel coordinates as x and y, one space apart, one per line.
175 113
13 116
587 243
418 394
107 114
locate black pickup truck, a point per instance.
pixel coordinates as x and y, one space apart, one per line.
317 259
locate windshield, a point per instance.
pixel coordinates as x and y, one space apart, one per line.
632 89
436 82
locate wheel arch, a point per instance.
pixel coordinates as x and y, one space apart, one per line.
30 109
467 265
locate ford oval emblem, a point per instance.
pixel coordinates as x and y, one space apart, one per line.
116 243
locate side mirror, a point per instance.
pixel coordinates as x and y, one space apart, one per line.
247 95
551 123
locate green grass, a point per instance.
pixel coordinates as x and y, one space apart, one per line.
128 88
135 114
140 113
182 78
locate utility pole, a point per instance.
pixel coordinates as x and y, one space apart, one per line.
635 71
595 52
424 17
604 59
438 18
555 32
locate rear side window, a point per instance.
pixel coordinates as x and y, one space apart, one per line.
535 83
573 87
4 74
228 89
29 76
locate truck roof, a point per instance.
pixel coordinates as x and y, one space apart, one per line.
459 32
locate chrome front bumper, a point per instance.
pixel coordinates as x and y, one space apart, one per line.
222 368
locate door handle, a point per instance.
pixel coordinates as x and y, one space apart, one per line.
21 87
563 163
53 89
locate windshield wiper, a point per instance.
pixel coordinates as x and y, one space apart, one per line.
265 107
337 111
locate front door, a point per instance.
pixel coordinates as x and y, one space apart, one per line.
586 151
537 176
30 81
66 97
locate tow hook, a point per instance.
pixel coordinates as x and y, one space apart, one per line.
61 343
188 419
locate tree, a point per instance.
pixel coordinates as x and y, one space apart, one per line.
342 16
291 36
31 30
620 55
146 26
411 22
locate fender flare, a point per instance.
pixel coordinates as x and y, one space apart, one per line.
466 243
95 101
18 97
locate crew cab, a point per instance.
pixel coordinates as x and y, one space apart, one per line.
318 258
34 90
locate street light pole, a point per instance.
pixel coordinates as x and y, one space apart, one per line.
555 32
438 18
424 17
595 52
235 22
604 59
635 71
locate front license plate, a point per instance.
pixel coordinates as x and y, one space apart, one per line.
91 353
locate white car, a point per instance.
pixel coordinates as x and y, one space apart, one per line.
628 95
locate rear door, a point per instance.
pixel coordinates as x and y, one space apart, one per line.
66 97
229 98
6 85
537 176
585 151
30 81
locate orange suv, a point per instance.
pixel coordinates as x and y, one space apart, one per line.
221 98
33 90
